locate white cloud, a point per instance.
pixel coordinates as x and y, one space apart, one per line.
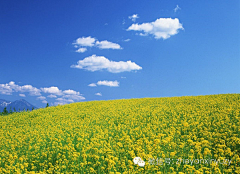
177 8
127 40
161 28
71 92
99 94
81 50
32 90
52 90
64 101
5 89
96 63
59 103
107 45
11 87
68 95
52 96
85 41
108 83
44 101
74 97
92 85
133 17
41 98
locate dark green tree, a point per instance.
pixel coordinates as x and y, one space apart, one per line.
10 111
32 108
14 109
47 105
5 112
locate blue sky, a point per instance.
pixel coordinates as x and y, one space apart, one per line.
71 51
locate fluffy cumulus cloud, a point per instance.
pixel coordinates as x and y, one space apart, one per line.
161 28
68 96
32 90
71 92
133 17
96 63
108 83
83 42
99 94
52 90
5 89
11 87
72 97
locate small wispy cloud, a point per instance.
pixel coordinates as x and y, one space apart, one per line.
177 8
41 98
81 50
108 83
127 40
83 42
52 96
22 95
92 85
99 94
133 17
97 63
105 83
107 45
161 28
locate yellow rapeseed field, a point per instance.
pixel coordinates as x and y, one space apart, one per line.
184 135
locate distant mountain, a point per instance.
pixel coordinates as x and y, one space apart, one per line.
19 105
4 103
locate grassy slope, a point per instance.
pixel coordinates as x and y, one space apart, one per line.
105 136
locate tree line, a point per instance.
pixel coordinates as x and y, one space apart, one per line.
6 112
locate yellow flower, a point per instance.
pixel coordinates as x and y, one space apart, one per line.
172 154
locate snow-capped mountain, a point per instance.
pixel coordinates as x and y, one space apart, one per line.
18 105
4 103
